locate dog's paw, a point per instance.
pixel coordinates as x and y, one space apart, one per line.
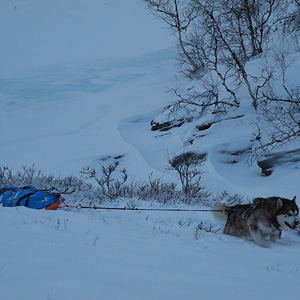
262 242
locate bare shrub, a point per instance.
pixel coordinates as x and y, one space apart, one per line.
230 199
206 226
187 165
156 188
111 184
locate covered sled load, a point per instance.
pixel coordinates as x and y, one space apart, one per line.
30 197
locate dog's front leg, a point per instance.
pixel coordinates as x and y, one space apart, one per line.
274 236
257 237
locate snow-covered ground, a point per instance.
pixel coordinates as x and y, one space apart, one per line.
136 255
81 80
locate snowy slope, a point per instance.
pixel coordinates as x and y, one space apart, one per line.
45 33
81 80
68 69
72 114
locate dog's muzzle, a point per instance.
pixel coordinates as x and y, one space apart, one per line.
295 224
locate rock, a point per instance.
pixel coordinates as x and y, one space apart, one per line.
165 126
203 126
266 166
277 159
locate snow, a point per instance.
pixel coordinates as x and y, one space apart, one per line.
82 80
136 255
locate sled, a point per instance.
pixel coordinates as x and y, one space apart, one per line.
31 197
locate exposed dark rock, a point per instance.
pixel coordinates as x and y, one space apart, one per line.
242 151
274 160
266 166
233 157
118 156
165 126
204 126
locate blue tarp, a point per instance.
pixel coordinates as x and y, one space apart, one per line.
28 196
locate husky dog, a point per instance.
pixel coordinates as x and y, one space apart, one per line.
260 221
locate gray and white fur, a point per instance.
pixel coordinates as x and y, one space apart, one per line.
262 221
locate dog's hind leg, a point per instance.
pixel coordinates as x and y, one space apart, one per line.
236 226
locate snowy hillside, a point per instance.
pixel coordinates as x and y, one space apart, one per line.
81 81
68 69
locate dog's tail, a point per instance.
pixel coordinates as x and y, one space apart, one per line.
220 212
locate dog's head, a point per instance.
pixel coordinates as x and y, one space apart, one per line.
287 213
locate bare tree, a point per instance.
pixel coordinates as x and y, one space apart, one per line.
187 165
292 21
234 31
219 36
178 15
280 109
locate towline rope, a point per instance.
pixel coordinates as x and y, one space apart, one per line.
79 206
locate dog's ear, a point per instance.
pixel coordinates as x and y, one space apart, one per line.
279 203
294 199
